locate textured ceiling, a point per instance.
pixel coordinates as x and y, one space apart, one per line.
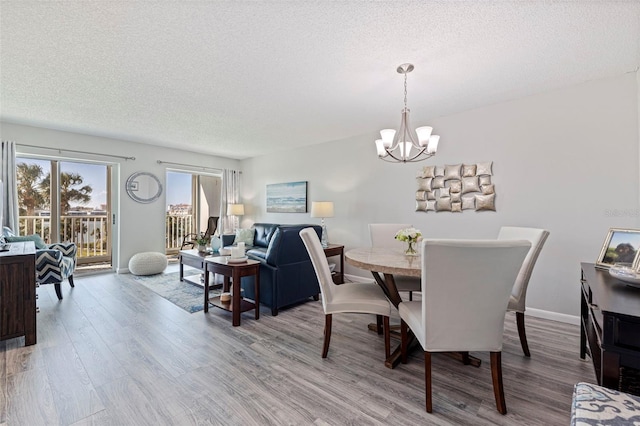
240 79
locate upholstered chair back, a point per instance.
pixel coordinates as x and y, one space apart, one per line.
383 234
319 260
465 291
537 238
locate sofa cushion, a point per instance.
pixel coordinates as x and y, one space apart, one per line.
264 233
287 247
245 236
39 242
258 253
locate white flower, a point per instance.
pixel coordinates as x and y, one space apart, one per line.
410 235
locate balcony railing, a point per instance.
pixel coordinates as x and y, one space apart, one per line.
90 233
177 227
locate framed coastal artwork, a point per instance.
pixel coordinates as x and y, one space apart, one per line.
620 246
289 197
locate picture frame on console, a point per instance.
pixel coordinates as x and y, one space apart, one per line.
620 246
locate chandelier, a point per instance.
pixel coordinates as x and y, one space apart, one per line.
403 146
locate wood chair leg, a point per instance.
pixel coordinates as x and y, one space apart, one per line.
71 281
427 380
465 358
387 338
410 296
379 324
496 375
404 337
522 334
58 291
327 334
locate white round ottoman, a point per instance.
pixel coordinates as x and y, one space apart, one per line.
147 263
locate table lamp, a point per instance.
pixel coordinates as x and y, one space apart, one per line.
235 210
322 209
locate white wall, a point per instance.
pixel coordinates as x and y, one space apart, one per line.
566 160
139 227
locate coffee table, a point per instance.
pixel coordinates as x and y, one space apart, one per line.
234 271
195 259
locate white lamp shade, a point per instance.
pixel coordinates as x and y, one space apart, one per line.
432 147
322 209
235 209
424 133
380 148
405 149
387 137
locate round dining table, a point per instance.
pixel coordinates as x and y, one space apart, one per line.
389 262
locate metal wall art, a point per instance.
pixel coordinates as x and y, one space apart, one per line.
454 188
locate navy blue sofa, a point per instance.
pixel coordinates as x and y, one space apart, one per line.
286 273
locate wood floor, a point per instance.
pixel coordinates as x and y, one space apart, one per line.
117 354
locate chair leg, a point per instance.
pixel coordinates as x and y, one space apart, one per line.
327 334
465 358
522 334
379 324
58 291
496 375
274 312
410 296
71 281
427 380
403 341
387 338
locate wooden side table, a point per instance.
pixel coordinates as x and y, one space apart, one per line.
336 250
234 271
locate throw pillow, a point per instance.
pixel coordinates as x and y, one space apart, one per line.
39 242
245 236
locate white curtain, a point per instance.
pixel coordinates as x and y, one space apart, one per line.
9 213
230 195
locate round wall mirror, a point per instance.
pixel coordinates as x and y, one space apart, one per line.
144 187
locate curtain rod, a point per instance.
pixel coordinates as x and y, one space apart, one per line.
190 165
60 150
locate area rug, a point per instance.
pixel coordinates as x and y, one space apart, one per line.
181 293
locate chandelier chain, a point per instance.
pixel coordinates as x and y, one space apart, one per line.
405 90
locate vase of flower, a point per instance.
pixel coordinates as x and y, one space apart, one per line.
411 236
202 241
410 251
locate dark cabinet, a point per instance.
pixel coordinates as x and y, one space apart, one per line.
610 329
18 292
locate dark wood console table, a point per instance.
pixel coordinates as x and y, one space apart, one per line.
610 329
18 292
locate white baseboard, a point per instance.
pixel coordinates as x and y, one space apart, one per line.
123 271
554 316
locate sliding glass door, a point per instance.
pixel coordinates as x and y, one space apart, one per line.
67 201
191 199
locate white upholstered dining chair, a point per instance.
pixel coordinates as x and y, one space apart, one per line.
465 291
365 297
383 235
517 301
